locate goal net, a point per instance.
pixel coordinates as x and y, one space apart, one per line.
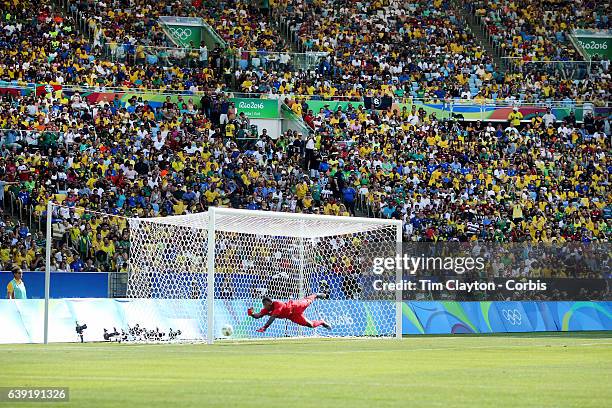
199 273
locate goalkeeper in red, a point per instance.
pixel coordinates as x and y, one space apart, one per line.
292 310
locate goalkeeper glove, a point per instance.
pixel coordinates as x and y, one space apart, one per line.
250 311
261 329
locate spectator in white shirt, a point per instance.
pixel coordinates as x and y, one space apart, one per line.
549 118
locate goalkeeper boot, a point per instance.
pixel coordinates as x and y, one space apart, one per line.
323 295
326 325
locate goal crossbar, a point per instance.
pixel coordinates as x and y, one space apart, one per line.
292 225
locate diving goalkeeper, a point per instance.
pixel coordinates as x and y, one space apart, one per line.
292 310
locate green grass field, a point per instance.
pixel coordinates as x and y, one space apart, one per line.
535 370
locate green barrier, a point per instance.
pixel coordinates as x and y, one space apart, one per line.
183 30
257 108
594 43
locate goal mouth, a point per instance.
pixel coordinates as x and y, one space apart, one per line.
349 318
199 273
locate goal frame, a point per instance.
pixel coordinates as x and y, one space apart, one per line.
210 267
213 212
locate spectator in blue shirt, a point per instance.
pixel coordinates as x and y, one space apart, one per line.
388 210
24 196
349 194
77 265
253 205
23 230
189 196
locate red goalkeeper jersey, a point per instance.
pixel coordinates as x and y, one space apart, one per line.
279 309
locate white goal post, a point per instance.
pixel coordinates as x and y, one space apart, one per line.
199 273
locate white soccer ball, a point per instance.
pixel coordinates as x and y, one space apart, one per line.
227 330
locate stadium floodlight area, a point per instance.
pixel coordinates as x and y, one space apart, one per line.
199 273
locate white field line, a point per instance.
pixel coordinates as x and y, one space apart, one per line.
302 381
199 380
227 349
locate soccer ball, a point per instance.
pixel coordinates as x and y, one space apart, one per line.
227 330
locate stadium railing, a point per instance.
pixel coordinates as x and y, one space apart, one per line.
287 27
448 102
25 213
19 138
277 61
292 121
153 55
13 208
575 70
470 13
191 57
489 103
213 34
72 8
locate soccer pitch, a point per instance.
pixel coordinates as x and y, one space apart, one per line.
533 370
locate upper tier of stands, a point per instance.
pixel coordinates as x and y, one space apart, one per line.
416 50
544 181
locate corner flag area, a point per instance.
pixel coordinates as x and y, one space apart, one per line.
523 370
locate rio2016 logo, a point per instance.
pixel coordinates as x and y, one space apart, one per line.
592 45
250 105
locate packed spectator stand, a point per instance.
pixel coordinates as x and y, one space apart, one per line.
540 30
541 181
351 63
535 39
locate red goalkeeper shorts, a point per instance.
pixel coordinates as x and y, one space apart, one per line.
299 307
299 319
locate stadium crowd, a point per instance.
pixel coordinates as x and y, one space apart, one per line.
452 65
358 63
132 26
39 44
536 36
420 49
539 30
543 181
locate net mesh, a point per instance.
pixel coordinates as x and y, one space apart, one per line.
259 254
168 263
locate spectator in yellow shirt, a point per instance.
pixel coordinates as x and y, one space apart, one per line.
515 118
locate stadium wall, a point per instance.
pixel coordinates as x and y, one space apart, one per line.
65 284
22 320
258 109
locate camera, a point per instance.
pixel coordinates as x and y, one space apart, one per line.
80 328
172 335
109 336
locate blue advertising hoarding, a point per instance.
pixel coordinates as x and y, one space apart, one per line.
22 320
